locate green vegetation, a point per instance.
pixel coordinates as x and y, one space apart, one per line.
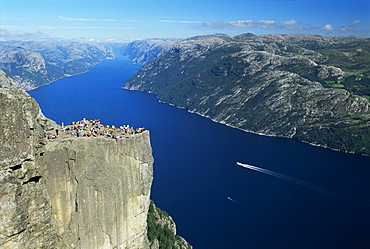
353 57
349 135
162 233
159 223
305 87
333 84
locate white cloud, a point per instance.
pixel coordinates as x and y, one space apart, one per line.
290 22
351 27
328 27
3 27
123 40
266 24
80 27
20 35
240 24
231 25
346 28
180 21
86 20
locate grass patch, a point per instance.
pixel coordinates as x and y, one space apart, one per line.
334 84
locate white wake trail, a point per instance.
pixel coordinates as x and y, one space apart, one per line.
308 185
231 199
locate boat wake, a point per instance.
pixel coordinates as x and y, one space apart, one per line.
308 185
231 199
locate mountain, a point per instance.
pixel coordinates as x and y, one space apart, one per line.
309 87
142 51
71 192
34 63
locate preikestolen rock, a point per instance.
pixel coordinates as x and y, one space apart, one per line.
73 192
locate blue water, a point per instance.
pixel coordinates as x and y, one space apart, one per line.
195 170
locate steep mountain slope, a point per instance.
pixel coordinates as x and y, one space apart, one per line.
278 85
35 63
142 51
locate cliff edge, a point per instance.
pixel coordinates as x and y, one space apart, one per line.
100 197
25 208
68 193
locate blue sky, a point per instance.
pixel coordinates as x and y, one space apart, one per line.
138 19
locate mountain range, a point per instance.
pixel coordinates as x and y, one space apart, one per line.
311 88
35 63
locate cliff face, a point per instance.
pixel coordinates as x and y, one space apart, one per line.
25 209
100 197
73 193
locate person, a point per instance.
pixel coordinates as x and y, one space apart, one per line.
57 132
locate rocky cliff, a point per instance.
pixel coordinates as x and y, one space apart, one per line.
72 193
309 87
100 197
25 208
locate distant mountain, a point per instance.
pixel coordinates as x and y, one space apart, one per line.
142 51
35 63
309 87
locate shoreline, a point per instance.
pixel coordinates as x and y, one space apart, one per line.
69 75
208 117
256 133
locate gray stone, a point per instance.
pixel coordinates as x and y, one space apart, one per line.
73 193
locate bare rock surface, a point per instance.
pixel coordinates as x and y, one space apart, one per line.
68 193
297 86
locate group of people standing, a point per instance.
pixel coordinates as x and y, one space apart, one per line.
93 128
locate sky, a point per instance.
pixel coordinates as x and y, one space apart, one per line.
126 20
